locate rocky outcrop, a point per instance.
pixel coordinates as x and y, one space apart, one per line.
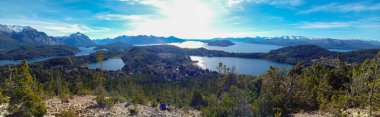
86 106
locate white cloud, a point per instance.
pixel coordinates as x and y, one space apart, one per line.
279 2
53 28
190 18
364 24
182 18
286 3
132 2
121 17
352 7
323 25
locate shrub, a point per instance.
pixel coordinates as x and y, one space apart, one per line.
67 114
132 112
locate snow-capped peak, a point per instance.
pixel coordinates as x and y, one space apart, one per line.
13 28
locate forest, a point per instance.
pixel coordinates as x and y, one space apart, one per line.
319 87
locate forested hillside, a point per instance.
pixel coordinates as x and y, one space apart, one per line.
32 52
330 89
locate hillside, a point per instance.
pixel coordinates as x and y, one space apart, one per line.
301 53
164 75
31 52
221 43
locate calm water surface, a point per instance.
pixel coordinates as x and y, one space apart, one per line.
14 62
340 50
112 64
243 65
239 47
85 51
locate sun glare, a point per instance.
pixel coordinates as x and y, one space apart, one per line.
183 18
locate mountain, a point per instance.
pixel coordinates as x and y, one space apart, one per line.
13 36
299 54
307 54
118 46
327 43
77 39
222 43
139 40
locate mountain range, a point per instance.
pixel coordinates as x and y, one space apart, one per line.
77 39
14 36
140 40
328 43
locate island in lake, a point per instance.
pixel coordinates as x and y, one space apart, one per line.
222 43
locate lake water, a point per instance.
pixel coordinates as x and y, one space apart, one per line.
243 65
112 64
9 62
85 51
340 50
239 47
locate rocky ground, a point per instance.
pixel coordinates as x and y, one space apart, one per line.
351 112
85 106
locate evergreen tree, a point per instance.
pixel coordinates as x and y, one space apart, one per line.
23 98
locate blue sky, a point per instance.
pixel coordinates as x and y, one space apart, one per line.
343 19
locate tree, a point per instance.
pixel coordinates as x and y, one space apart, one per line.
374 83
197 101
99 77
23 99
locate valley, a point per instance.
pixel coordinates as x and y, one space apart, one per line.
138 75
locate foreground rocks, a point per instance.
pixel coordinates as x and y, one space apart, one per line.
86 106
351 112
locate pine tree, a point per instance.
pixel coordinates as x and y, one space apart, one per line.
23 99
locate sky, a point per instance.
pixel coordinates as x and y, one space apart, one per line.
198 19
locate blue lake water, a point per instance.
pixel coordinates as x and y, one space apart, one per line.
340 50
85 51
112 64
239 47
243 65
14 62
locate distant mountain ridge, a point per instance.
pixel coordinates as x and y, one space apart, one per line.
141 39
327 43
77 39
14 36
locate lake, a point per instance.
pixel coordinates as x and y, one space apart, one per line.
243 65
85 51
112 64
239 47
14 62
341 50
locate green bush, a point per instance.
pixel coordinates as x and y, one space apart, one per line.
118 99
133 112
104 102
67 114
